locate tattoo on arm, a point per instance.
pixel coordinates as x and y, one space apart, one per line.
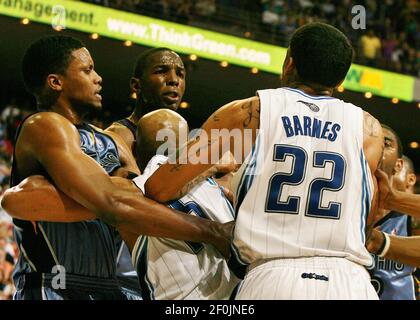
187 188
176 167
372 127
251 113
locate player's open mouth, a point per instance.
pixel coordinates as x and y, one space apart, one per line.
171 96
98 95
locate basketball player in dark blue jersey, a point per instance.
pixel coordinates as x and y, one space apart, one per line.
183 283
392 279
402 249
59 71
159 83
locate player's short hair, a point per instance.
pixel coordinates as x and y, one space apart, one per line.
143 60
322 54
46 56
397 137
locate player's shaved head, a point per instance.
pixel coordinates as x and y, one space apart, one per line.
148 128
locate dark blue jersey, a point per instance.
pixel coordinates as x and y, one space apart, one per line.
87 250
391 279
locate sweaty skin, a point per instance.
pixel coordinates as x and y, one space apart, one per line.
48 138
162 85
246 117
36 196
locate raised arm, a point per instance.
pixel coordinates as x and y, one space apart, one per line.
373 141
402 249
392 199
209 147
53 142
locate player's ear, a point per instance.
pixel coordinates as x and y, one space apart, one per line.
411 179
398 165
54 82
289 65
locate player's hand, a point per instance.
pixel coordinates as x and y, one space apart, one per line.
385 190
226 164
223 238
375 241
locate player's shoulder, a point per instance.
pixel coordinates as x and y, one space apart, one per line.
45 117
371 125
117 126
48 122
121 130
46 129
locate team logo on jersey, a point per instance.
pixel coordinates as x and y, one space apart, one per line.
314 276
311 106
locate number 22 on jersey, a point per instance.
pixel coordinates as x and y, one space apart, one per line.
296 177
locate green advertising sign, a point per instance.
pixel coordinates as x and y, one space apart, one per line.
148 31
189 40
379 82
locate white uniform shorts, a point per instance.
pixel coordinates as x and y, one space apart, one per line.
314 278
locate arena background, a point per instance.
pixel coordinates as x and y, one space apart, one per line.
209 85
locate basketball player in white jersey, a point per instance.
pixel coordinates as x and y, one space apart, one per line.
305 189
175 270
167 269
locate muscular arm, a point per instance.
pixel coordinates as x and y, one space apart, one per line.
53 142
404 202
36 196
402 249
240 115
392 199
222 167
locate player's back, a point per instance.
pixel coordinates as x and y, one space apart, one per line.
305 189
174 270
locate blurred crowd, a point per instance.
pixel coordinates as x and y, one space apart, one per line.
390 41
10 117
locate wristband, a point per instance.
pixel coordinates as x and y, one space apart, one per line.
385 246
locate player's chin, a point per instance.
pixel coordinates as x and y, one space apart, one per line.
172 106
97 105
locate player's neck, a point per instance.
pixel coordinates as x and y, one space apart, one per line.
312 90
135 116
139 111
68 112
